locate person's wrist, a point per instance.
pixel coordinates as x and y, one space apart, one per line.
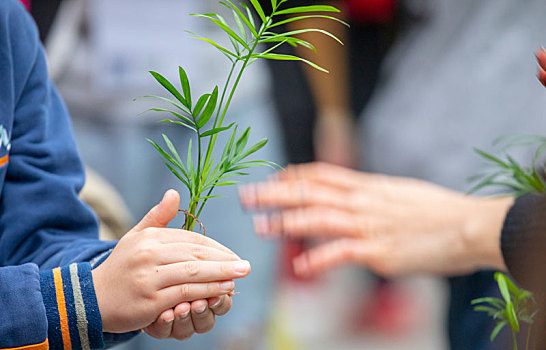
481 230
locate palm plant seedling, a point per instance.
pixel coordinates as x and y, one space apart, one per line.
202 172
517 305
514 178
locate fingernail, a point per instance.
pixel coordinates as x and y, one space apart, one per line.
169 320
261 224
247 196
184 315
214 302
201 309
167 193
227 285
300 266
242 267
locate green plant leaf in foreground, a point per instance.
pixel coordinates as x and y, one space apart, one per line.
201 172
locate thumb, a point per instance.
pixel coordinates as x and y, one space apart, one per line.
162 213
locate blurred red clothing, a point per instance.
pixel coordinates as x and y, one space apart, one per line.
26 3
375 11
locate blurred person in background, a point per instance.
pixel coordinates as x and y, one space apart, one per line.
457 77
318 115
399 226
56 276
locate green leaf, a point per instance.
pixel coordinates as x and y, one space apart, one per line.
167 156
167 85
255 148
511 315
490 310
216 130
250 18
209 108
184 181
199 105
232 39
497 329
237 19
182 108
171 148
178 123
290 40
298 18
496 302
219 47
178 115
259 10
227 148
312 8
492 158
185 83
302 31
503 286
249 22
225 28
241 142
282 57
189 166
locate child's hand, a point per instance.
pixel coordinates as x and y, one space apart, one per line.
189 318
153 269
541 58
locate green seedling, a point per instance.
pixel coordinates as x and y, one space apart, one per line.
517 305
201 172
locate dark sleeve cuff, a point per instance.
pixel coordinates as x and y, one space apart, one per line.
523 242
74 320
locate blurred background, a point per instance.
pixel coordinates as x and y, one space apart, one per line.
418 84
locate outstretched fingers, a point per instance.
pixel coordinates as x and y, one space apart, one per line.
291 194
336 253
307 222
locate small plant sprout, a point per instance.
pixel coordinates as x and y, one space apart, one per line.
517 306
510 175
201 172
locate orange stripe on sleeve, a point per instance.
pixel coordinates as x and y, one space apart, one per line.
41 346
4 160
62 308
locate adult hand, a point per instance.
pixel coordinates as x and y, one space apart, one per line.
153 269
541 58
392 225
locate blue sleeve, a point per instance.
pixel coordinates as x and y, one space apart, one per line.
48 236
42 220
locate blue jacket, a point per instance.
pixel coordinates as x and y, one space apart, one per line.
48 237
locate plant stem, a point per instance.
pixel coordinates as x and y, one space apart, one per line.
515 340
228 102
